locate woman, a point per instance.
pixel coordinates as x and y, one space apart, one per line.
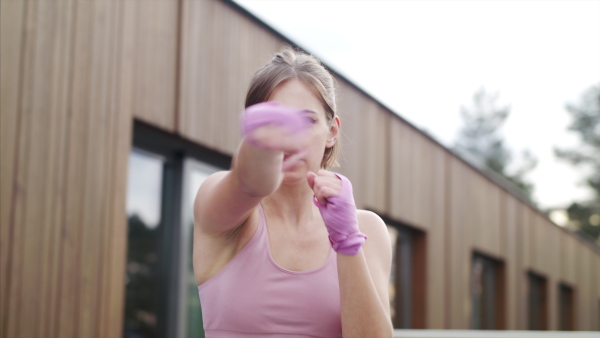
279 248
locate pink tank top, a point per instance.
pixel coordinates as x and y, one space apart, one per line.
252 296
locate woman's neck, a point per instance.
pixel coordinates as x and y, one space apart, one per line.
292 204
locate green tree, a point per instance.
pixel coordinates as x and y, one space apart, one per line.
586 123
480 139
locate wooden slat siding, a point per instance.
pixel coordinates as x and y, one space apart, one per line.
108 161
578 288
221 50
34 126
585 298
113 291
418 159
596 284
538 242
154 67
347 107
220 95
44 171
460 245
373 150
436 243
103 43
235 89
17 270
570 258
59 99
351 111
522 264
512 250
75 177
453 226
486 226
399 184
192 94
11 43
552 253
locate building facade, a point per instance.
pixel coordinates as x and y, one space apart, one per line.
113 112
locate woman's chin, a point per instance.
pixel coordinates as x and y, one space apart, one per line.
295 173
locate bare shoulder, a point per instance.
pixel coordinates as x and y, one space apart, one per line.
209 182
378 245
372 225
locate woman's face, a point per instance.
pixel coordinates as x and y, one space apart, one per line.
320 134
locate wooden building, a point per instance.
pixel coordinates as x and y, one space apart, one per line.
112 113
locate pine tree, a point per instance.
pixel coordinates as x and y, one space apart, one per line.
480 139
586 123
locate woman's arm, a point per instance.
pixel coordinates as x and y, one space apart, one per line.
226 199
364 280
363 265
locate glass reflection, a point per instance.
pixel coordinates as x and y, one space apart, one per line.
144 191
196 173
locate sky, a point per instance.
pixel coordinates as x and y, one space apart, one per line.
426 59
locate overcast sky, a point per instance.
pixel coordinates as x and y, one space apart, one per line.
424 59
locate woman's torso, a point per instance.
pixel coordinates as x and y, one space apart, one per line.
253 296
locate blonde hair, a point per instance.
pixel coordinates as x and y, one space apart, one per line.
293 64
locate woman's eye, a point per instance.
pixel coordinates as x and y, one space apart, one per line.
310 120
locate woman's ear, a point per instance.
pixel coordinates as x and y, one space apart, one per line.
334 132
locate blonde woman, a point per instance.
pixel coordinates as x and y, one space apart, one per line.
279 248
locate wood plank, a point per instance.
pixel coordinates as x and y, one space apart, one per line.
552 251
512 249
36 126
59 95
219 67
398 171
350 109
94 186
76 176
596 285
16 288
417 177
587 301
113 293
460 245
41 172
373 151
108 163
436 245
11 42
154 61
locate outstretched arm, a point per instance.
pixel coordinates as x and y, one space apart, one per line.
226 199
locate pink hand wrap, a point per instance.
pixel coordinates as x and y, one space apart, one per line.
270 113
339 214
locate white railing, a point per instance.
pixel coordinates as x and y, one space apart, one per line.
492 334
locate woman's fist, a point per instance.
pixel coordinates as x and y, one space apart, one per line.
272 126
333 196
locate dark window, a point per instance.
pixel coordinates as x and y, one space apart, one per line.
147 255
161 295
487 293
407 278
537 302
566 317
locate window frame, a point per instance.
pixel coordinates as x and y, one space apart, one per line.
494 274
414 309
566 312
180 156
542 306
